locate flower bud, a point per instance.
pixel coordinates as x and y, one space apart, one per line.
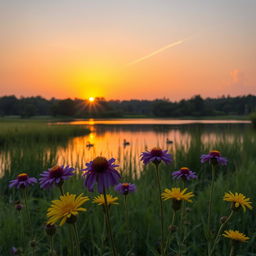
223 219
33 243
19 206
188 209
172 228
50 229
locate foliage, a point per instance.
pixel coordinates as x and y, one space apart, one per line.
143 205
196 107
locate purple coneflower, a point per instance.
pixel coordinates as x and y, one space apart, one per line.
156 155
214 157
102 172
55 176
22 181
184 173
125 188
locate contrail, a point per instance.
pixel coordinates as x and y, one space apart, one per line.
156 52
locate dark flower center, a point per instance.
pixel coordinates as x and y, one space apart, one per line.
215 153
184 171
125 185
22 177
56 172
156 152
100 164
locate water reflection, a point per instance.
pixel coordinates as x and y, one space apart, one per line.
108 140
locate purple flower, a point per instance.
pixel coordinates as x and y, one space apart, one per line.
102 172
22 181
55 176
156 155
184 173
15 251
125 188
214 157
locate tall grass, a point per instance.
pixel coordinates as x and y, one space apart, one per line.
36 131
239 175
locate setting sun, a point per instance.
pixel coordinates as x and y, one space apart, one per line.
91 99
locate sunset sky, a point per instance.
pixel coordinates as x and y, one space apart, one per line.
116 49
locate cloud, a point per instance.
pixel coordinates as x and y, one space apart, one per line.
236 78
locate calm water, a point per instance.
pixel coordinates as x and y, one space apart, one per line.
107 139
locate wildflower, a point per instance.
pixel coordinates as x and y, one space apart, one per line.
55 175
22 181
125 188
102 172
15 251
235 235
101 201
184 173
177 195
214 157
156 155
238 200
66 208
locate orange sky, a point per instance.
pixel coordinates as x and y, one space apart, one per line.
84 48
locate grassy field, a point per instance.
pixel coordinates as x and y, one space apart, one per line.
36 131
144 221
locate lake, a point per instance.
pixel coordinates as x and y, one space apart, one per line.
125 139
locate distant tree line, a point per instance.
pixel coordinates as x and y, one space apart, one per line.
195 106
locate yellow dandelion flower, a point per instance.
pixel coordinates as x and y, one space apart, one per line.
100 199
177 194
238 200
235 235
68 205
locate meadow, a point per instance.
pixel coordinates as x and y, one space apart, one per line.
32 148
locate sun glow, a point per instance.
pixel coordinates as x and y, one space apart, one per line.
91 99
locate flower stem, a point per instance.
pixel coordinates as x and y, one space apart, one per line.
232 251
219 231
161 209
127 221
169 237
28 214
22 232
61 189
72 240
210 210
77 239
51 246
108 223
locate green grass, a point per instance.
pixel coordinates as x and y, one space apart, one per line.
37 131
239 175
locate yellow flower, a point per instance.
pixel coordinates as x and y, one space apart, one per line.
235 235
100 199
177 194
238 200
67 206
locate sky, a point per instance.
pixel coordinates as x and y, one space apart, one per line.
136 49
